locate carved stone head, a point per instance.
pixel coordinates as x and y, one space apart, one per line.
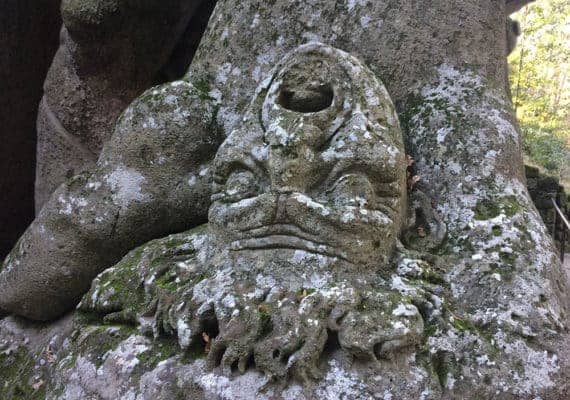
308 204
318 164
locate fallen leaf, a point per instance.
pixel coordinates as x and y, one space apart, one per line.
208 342
50 357
413 180
38 384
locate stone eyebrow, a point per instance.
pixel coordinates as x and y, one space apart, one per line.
225 167
343 168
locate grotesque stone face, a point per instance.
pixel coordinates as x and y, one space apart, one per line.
317 165
307 208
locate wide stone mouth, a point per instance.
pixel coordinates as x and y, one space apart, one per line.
284 237
281 230
284 242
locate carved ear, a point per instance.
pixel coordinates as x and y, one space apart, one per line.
425 230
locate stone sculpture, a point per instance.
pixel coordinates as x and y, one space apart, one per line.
299 275
308 204
110 52
151 179
482 315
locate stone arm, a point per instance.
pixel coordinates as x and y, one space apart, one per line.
152 179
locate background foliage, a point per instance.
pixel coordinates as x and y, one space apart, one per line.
540 84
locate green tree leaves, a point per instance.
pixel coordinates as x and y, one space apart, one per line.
540 83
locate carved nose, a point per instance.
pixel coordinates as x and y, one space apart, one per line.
281 207
306 97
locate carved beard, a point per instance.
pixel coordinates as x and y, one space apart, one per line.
318 165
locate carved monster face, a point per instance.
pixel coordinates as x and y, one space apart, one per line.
317 165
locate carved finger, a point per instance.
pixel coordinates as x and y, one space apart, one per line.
215 354
228 360
242 364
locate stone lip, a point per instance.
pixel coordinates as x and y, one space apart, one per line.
284 242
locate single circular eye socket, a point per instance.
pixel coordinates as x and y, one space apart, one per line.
308 97
241 185
353 190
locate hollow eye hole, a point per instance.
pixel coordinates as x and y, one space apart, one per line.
353 190
307 97
241 185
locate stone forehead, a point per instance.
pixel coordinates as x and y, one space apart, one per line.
361 89
365 94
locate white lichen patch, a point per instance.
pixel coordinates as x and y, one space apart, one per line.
303 199
184 333
407 310
243 387
86 379
127 186
125 354
538 366
341 384
352 4
69 203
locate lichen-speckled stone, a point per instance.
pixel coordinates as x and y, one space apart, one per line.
111 51
492 298
152 178
255 305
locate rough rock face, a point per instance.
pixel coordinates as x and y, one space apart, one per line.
110 52
477 310
257 305
458 126
28 40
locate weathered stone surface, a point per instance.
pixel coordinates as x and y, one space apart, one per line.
261 308
489 293
28 40
152 179
459 127
111 51
297 257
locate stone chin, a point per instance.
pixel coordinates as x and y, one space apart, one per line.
317 165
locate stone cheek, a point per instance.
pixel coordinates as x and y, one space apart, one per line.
317 165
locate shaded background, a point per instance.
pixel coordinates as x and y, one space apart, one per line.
29 31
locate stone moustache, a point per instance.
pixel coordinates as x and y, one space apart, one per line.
308 203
